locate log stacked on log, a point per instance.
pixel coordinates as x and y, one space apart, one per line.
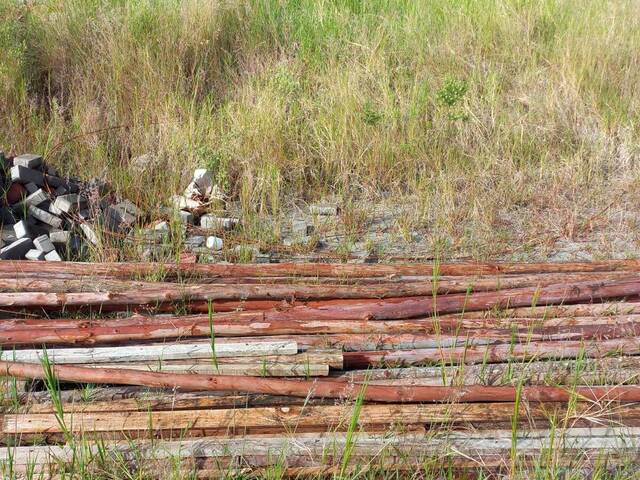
418 361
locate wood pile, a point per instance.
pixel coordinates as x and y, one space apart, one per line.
321 368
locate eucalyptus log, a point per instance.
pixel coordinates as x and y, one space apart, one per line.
600 371
164 270
324 418
244 369
494 353
319 448
323 388
154 328
154 352
386 308
306 287
136 398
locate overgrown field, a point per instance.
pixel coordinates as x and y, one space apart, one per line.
477 112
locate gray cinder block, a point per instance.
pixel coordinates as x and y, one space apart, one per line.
69 203
89 233
28 160
52 256
26 175
17 249
45 217
60 237
34 255
31 187
211 222
214 243
43 243
21 229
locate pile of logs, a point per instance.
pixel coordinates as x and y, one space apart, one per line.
326 367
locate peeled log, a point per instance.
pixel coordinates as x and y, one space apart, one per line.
494 353
136 270
327 389
388 308
137 328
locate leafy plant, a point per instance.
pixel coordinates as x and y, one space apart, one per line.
452 92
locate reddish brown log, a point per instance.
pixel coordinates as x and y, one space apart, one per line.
494 353
150 328
582 310
410 307
317 388
387 308
394 286
137 270
240 323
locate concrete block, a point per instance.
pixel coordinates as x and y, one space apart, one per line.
148 236
324 209
51 170
34 255
45 217
212 222
89 233
54 181
181 202
60 237
194 241
300 228
21 229
36 198
43 243
61 190
214 243
8 235
117 220
28 160
26 175
69 203
162 227
52 256
185 217
16 250
85 214
31 187
129 207
54 210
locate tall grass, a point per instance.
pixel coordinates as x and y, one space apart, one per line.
473 107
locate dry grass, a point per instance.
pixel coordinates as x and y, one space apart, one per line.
480 112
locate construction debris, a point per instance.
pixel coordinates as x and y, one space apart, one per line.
50 214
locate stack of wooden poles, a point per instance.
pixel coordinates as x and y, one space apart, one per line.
414 362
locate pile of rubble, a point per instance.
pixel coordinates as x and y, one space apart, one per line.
39 210
190 217
47 217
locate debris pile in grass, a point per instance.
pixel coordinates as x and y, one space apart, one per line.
199 213
45 216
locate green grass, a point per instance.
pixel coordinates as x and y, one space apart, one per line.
469 108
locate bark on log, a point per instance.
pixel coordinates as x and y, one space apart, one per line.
330 417
494 353
326 389
137 270
379 287
154 328
387 308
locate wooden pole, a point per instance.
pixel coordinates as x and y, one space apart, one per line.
327 389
